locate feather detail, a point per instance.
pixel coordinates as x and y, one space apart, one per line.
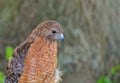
35 60
58 75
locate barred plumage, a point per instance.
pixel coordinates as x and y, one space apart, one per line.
35 60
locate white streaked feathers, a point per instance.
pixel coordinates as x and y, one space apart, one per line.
58 75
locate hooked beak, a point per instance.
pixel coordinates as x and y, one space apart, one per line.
60 36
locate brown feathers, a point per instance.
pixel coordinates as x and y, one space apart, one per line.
35 60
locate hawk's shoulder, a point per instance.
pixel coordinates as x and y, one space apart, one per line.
16 63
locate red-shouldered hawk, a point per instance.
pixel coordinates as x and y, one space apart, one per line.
35 60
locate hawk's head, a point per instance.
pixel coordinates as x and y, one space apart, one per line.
51 29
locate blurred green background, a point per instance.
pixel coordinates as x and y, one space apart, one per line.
91 50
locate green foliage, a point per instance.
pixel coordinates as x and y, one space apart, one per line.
114 69
9 52
1 77
114 72
104 79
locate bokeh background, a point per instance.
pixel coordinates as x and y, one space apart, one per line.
91 50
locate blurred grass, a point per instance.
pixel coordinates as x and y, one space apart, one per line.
8 52
1 77
91 29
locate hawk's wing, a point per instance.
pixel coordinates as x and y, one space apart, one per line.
16 63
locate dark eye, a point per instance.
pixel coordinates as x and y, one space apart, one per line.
53 31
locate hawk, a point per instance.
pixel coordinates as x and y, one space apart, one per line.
35 60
